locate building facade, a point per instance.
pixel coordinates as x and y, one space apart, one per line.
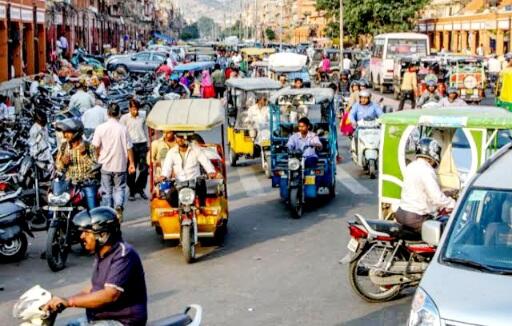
463 26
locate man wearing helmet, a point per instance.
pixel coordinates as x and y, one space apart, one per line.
452 99
409 87
421 193
430 95
365 109
117 293
75 157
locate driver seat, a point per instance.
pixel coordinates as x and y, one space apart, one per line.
500 233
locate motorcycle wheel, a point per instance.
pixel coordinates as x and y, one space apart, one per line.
56 248
189 250
372 169
15 249
296 203
358 275
232 157
268 173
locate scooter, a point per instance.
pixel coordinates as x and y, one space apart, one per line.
365 146
28 310
13 231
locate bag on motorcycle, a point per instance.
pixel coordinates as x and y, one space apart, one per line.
345 125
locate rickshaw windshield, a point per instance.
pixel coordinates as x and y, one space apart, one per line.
248 105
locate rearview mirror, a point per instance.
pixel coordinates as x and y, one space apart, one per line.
431 232
134 58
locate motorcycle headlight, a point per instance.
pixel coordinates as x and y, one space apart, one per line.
293 164
187 196
470 82
423 311
59 200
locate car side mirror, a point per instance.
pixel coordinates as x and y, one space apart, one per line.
134 58
431 232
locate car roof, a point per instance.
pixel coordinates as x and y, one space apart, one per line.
493 173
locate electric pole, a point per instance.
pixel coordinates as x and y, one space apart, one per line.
341 33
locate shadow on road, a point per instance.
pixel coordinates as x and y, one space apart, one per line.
390 315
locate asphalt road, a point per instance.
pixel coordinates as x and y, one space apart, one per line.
272 269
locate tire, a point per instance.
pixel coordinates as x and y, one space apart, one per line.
296 203
15 249
220 234
268 170
189 250
56 248
125 68
232 157
382 297
332 190
372 169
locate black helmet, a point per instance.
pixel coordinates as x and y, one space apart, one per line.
73 125
364 83
429 148
102 221
40 116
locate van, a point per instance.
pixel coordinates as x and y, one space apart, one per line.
386 48
469 280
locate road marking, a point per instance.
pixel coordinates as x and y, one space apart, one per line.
344 177
252 186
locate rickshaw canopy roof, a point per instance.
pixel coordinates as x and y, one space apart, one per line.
489 117
281 62
186 115
258 51
253 84
320 94
194 66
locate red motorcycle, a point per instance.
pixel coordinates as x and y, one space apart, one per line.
385 257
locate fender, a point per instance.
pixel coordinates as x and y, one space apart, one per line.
351 257
10 232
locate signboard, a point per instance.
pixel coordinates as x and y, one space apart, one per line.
503 24
40 17
27 15
475 26
456 26
15 13
466 26
3 12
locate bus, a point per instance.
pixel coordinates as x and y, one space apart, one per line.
386 47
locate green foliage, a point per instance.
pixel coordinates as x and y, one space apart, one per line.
363 17
270 34
206 26
190 32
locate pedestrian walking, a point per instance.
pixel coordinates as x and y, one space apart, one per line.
136 125
408 88
114 151
219 81
207 89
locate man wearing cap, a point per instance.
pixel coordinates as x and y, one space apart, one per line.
81 98
452 99
183 163
114 151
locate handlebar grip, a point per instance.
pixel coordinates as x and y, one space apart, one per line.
60 308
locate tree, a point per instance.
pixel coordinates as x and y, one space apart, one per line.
270 34
206 26
190 32
363 17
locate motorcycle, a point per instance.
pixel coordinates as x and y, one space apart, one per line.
13 231
385 257
28 310
64 201
365 146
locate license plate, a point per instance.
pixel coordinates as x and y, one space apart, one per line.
59 209
204 220
353 244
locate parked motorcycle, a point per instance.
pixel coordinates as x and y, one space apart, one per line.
365 146
28 310
13 231
65 200
385 257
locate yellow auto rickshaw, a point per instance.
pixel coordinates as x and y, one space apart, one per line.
249 136
504 90
200 208
257 52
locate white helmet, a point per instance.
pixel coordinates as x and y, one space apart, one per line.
28 307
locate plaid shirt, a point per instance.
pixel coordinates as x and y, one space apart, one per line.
82 160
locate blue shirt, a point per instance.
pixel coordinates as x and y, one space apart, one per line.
121 268
359 112
297 142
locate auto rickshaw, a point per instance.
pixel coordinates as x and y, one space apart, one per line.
504 90
257 52
259 69
468 137
291 65
468 76
298 184
189 221
245 137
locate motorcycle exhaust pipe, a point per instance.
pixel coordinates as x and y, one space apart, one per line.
394 279
403 267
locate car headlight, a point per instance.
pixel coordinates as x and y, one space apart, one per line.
293 164
423 311
59 200
187 196
470 82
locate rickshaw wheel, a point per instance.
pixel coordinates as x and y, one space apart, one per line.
268 173
232 157
220 234
189 250
295 203
372 169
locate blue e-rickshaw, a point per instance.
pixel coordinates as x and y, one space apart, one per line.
299 184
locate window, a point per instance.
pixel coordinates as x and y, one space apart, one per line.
406 47
142 56
378 51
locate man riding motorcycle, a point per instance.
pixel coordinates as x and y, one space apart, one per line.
430 95
304 138
452 99
117 294
76 157
421 193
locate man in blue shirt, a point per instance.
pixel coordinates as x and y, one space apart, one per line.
306 141
117 294
365 109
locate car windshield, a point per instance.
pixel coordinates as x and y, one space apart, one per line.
481 234
406 48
